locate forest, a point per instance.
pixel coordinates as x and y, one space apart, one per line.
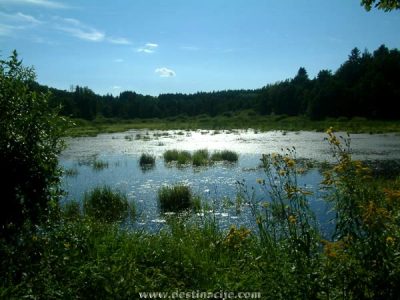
365 85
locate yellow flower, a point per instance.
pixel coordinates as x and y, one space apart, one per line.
282 172
66 245
34 238
292 219
260 181
329 130
390 240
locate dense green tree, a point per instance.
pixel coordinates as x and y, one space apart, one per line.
30 132
386 5
365 85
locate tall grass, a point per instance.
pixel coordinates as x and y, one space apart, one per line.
107 205
180 157
175 198
200 157
147 160
225 155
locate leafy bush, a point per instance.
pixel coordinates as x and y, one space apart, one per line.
175 198
30 141
104 204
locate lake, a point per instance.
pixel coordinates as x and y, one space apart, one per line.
112 159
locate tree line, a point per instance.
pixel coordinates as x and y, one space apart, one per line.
365 85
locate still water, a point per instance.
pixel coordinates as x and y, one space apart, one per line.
217 184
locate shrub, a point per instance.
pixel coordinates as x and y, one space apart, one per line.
225 155
147 160
104 204
175 198
30 141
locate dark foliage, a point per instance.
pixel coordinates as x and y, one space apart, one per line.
30 132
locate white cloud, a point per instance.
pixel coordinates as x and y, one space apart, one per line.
190 48
79 30
41 3
148 48
6 30
165 72
14 22
85 32
119 41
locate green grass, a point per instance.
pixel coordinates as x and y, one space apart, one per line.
200 157
99 165
180 157
175 198
147 160
239 120
225 155
72 172
107 205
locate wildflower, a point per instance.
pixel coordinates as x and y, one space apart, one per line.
334 249
274 155
282 172
392 195
260 181
289 161
292 219
390 240
329 131
34 238
67 245
373 215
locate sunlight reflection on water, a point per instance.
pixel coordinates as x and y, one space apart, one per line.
122 150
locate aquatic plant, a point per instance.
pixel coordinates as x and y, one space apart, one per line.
200 157
180 157
147 160
225 155
72 172
107 205
99 165
175 198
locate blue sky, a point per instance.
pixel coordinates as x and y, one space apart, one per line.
160 46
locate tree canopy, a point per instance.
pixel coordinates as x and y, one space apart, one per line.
386 5
30 142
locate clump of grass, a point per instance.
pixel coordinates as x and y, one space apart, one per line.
147 160
200 157
71 172
181 157
128 137
72 210
225 155
107 205
99 165
175 198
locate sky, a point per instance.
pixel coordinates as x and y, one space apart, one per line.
185 46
